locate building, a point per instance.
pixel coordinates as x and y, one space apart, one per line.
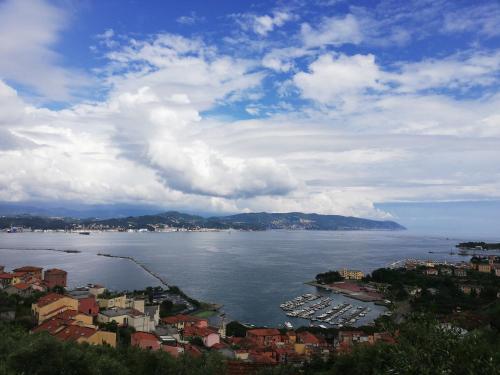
497 270
19 289
484 267
55 277
72 326
209 336
35 272
445 271
2 269
431 272
460 272
181 321
351 274
5 279
145 340
127 318
264 336
52 304
87 303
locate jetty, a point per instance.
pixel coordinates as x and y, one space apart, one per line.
144 267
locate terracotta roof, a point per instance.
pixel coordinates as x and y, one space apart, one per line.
139 336
73 333
51 326
264 332
196 331
56 271
28 269
48 299
308 338
6 276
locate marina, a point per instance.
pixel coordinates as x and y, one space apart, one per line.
317 308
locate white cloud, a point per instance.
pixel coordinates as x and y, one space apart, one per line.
28 31
334 31
190 19
334 79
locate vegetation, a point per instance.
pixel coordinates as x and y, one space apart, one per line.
41 354
328 277
247 221
484 245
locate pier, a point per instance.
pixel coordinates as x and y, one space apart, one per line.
145 268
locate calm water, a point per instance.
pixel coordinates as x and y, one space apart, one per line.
249 273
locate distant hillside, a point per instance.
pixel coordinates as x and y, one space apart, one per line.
247 221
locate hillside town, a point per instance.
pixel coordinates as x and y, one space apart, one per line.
96 316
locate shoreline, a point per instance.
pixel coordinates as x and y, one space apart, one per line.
360 296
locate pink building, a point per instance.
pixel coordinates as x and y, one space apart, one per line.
209 336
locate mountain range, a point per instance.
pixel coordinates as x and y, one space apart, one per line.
244 221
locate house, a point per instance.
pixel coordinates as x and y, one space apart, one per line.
181 321
445 271
264 336
468 289
55 277
5 279
51 305
209 336
69 326
484 267
351 274
145 340
127 317
431 272
460 272
19 289
497 270
35 272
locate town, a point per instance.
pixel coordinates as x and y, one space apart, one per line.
149 319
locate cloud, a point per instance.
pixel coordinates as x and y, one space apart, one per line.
334 31
190 19
263 24
28 31
480 18
333 79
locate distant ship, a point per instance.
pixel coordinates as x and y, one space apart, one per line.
288 325
84 233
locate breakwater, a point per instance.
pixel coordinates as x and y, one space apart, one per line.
145 268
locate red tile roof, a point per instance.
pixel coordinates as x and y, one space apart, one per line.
73 333
56 271
139 336
264 332
6 276
196 331
182 319
28 269
308 338
48 299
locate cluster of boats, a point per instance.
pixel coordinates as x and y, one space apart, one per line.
337 316
298 301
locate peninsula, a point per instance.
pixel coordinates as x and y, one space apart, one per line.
176 220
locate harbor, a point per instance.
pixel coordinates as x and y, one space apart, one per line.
327 311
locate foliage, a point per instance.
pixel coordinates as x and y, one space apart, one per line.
328 277
41 354
236 329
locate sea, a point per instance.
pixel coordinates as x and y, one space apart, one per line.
249 273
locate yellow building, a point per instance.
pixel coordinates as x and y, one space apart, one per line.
351 274
52 304
484 267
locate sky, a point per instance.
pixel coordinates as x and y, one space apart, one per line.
329 106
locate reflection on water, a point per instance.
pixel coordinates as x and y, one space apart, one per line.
250 273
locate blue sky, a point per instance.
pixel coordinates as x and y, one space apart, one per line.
348 107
